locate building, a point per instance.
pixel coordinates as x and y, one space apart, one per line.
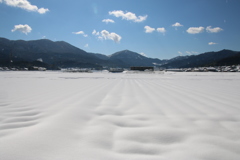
142 68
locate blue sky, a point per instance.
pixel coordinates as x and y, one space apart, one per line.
156 28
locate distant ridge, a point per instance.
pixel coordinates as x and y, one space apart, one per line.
130 58
58 53
204 59
61 54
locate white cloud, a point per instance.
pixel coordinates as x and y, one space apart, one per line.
161 30
188 52
24 4
43 10
108 21
22 28
211 43
148 29
105 35
213 30
95 32
80 32
195 30
128 16
100 38
86 46
143 54
193 52
180 53
177 25
111 36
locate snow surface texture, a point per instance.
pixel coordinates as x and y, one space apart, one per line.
96 116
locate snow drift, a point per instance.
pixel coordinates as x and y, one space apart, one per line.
178 116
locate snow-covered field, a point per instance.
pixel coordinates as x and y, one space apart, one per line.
104 116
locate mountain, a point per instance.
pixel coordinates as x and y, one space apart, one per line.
128 58
52 55
58 53
233 60
62 54
204 59
100 56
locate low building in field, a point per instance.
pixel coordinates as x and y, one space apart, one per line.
142 68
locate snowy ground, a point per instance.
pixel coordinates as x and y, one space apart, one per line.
104 116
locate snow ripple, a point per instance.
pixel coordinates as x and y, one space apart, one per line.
119 116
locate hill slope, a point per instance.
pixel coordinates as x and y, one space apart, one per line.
203 59
59 53
128 58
